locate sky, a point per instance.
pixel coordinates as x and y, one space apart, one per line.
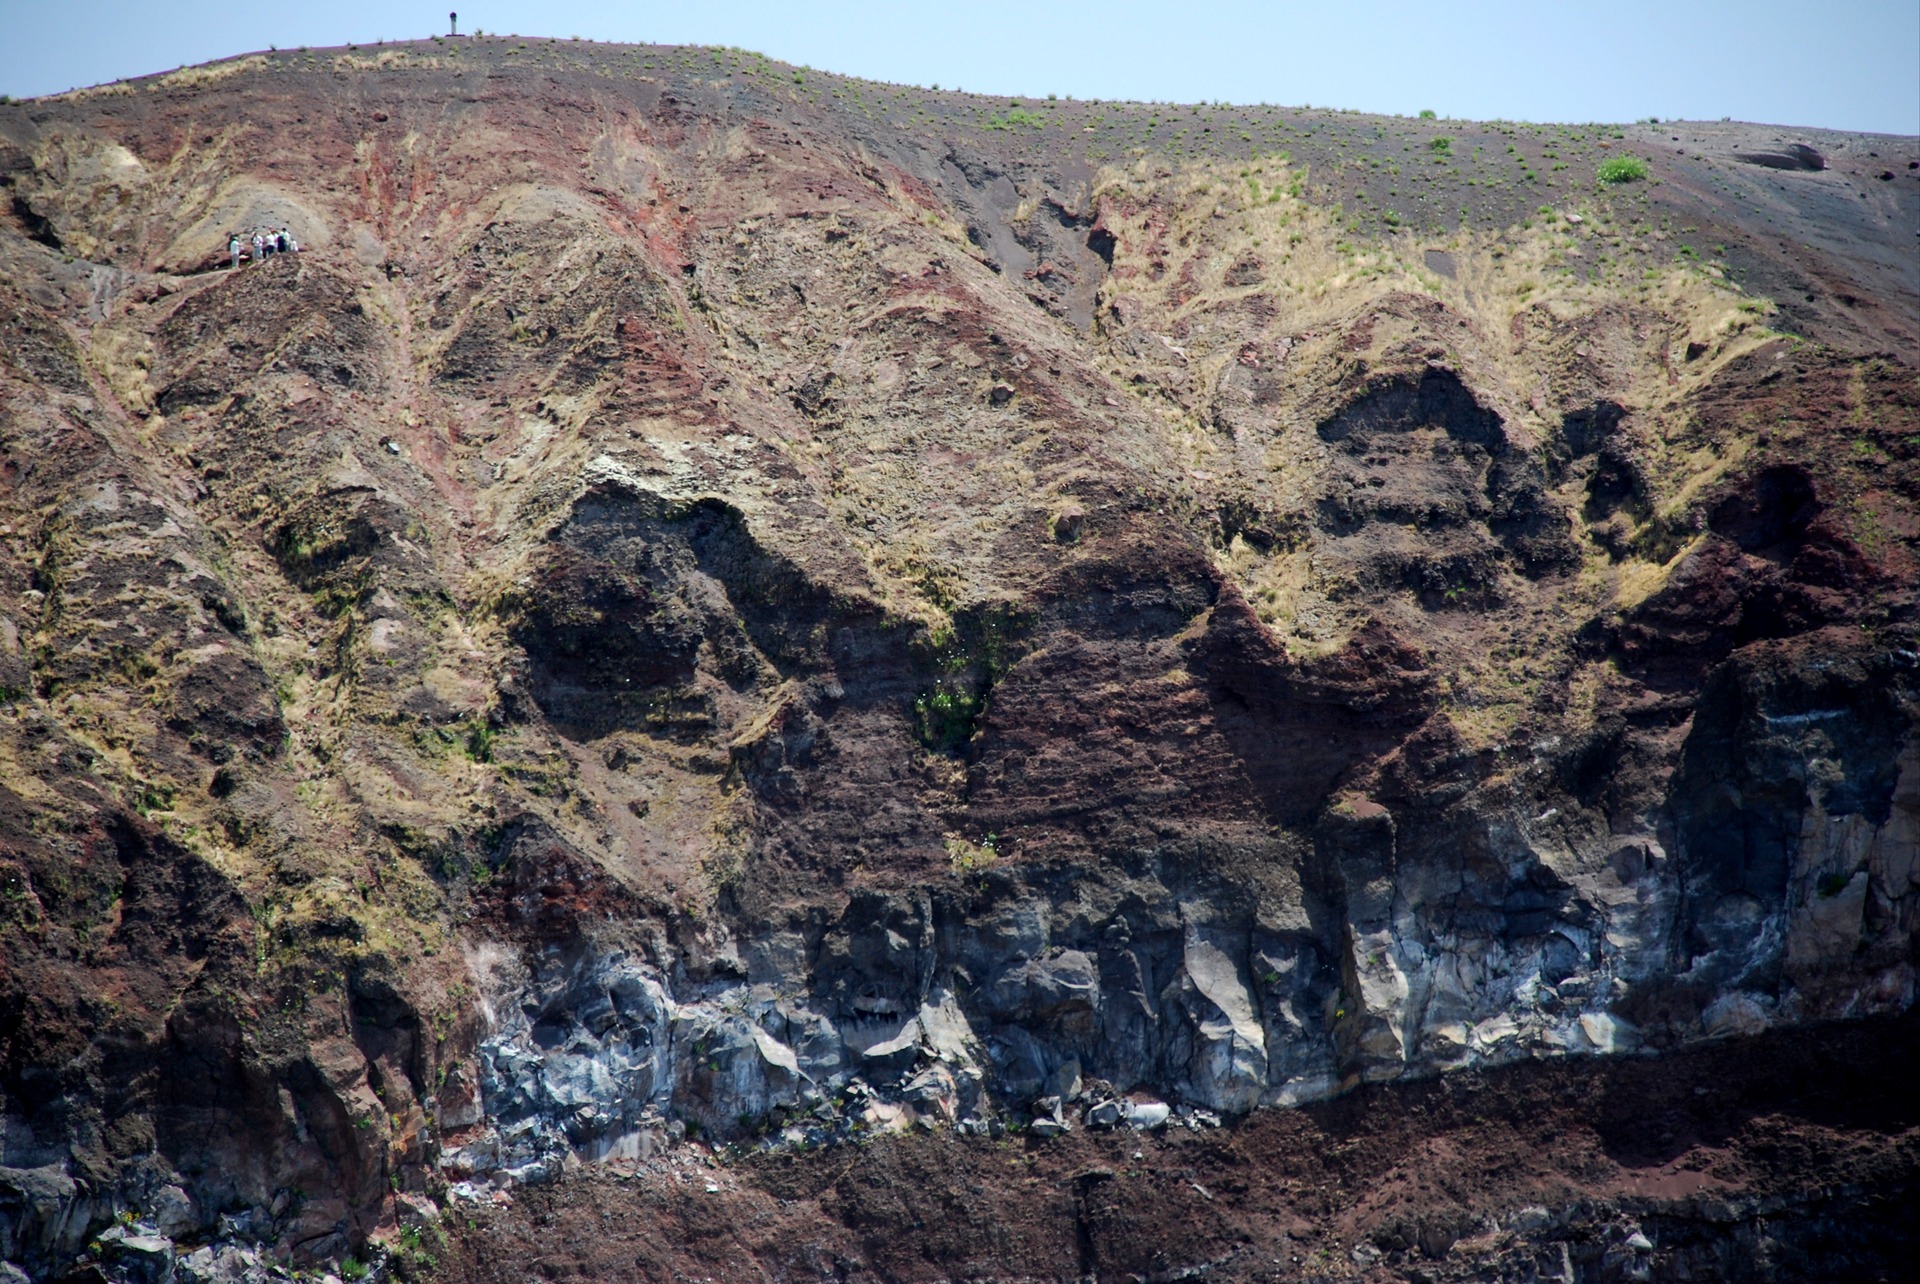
1841 64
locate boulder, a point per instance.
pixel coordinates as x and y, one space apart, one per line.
1148 1115
170 1212
135 1258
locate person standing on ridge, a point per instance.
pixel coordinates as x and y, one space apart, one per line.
233 248
453 24
259 247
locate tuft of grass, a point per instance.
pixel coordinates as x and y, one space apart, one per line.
1622 169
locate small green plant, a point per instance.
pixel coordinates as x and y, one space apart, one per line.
1427 113
151 798
946 717
1017 118
1831 884
480 738
965 857
1622 169
352 1268
1441 146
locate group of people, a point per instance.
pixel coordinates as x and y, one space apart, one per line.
266 241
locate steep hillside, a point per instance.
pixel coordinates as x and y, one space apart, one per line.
745 672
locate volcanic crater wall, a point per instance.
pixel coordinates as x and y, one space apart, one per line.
688 612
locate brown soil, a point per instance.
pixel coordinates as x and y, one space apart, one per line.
1792 1156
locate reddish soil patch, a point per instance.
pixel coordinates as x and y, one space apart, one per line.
1787 1156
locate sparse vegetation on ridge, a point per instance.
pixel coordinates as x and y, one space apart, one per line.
1622 169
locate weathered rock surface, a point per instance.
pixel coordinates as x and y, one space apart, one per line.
708 605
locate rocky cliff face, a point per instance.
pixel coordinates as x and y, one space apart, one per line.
712 604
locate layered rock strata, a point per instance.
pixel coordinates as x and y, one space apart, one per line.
712 605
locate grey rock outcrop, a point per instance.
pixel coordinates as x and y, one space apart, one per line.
932 1008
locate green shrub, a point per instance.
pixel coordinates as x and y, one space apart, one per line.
1441 146
1427 113
1017 118
966 858
480 738
945 718
1622 169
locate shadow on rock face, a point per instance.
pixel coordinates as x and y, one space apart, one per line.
1794 156
1779 756
1770 516
1427 491
642 606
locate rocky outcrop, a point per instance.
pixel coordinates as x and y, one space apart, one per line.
701 613
1593 1168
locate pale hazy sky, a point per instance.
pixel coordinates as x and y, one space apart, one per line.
1841 64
